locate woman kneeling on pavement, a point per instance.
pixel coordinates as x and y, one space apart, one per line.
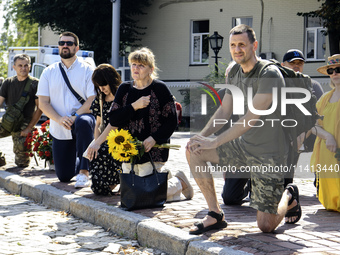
103 168
145 107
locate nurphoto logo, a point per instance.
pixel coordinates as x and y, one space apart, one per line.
239 109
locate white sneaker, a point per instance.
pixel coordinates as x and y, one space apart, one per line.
82 181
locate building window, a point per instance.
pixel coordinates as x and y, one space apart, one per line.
315 39
243 20
124 68
200 42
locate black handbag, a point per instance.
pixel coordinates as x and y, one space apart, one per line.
143 192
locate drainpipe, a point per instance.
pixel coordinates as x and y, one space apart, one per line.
39 36
115 33
261 26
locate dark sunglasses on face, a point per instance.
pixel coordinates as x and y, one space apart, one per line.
68 43
331 70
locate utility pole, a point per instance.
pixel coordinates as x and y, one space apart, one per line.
115 33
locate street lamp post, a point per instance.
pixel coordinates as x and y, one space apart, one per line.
216 42
115 33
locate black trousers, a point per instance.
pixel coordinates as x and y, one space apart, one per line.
235 190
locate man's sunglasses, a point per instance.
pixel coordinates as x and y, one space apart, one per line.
68 43
331 70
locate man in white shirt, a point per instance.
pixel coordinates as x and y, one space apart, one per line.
71 123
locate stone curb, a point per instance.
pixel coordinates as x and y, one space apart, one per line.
210 248
148 232
164 237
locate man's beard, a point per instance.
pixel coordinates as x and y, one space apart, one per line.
67 55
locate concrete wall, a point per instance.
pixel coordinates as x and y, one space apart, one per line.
48 37
168 30
168 34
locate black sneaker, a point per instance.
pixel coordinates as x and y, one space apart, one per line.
2 160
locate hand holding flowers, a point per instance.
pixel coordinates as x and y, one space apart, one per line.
123 147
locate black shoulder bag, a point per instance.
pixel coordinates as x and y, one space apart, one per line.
143 192
79 98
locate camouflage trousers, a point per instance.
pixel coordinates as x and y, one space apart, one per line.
19 149
265 172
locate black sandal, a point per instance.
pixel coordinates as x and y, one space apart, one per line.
218 225
296 210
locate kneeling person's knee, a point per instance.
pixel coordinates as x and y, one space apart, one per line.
265 227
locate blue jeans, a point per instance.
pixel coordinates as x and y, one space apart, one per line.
68 154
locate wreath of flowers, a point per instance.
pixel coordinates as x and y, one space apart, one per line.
39 143
123 147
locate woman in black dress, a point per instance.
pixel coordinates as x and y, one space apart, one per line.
146 108
104 169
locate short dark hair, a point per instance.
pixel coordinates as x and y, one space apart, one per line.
76 39
242 28
22 57
106 74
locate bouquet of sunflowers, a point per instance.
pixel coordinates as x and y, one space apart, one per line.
123 147
40 143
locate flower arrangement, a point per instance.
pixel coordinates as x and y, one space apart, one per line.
40 143
123 147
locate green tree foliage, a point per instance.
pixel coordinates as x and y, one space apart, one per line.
91 20
3 63
329 12
17 31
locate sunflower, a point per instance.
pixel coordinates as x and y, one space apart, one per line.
117 137
123 147
130 148
121 156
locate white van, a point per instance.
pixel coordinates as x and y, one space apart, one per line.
41 57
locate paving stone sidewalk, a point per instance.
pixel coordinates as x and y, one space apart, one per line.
32 229
318 231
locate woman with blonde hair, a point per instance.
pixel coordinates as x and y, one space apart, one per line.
146 108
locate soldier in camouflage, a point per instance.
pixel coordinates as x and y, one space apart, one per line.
250 147
10 93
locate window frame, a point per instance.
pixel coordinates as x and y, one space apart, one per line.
234 23
192 40
317 31
123 68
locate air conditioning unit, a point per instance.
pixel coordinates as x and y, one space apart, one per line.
267 55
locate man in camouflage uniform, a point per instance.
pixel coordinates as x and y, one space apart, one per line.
249 145
10 93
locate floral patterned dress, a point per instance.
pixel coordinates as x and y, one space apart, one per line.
104 169
158 119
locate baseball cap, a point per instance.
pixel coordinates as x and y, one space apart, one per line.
292 55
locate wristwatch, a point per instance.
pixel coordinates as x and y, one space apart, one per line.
74 114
